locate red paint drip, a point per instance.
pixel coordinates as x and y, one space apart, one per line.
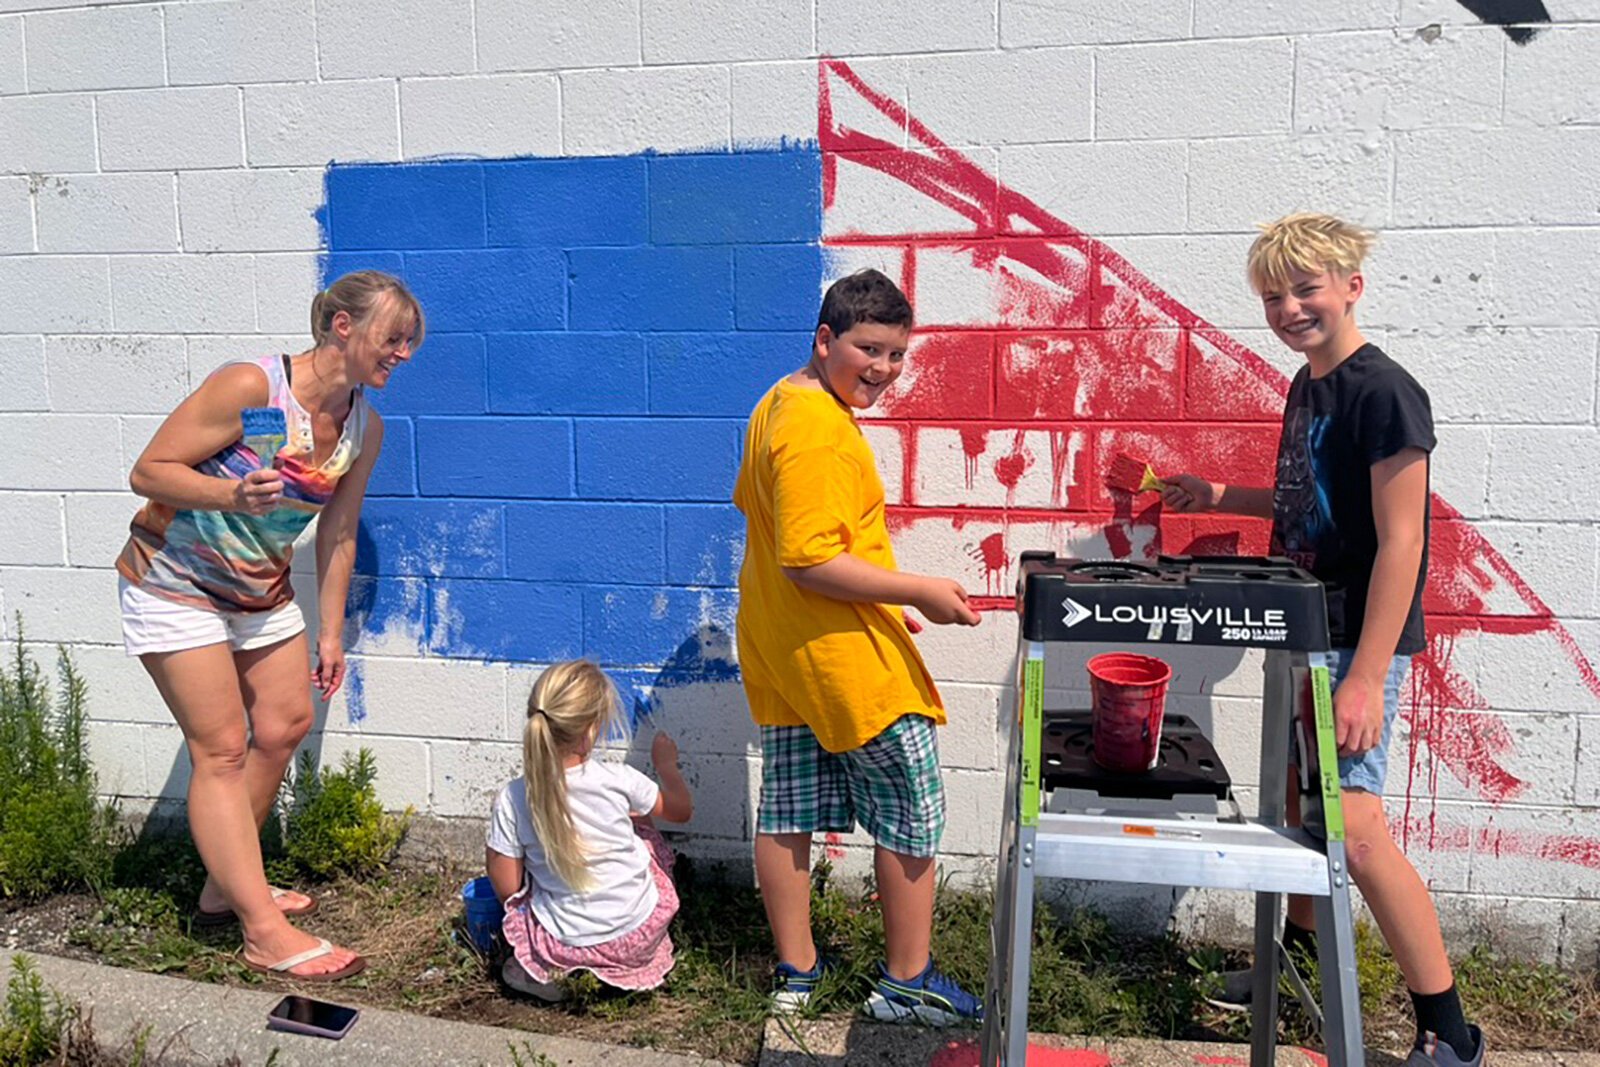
973 441
1010 467
991 552
965 1054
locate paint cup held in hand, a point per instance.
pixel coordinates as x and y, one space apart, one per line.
265 431
1130 695
484 912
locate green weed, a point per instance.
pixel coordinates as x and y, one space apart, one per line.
334 823
55 833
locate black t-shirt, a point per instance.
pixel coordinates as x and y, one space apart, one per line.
1334 429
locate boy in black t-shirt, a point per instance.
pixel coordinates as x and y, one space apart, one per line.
1351 506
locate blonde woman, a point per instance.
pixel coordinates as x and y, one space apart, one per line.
206 601
584 875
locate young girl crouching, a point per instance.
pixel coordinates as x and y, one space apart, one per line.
572 853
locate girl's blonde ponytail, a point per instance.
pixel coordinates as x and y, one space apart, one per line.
571 705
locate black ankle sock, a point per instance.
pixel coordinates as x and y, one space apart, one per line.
1441 1014
1299 941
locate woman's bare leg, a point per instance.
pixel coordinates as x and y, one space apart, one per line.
201 687
277 701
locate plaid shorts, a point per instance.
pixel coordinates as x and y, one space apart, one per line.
891 785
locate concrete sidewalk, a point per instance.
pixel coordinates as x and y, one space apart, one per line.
207 1023
859 1043
213 1022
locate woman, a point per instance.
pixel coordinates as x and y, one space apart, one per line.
206 601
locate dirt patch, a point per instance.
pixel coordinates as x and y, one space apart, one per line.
1087 979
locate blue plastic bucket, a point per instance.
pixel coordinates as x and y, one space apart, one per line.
484 912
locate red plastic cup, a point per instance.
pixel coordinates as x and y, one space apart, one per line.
1130 694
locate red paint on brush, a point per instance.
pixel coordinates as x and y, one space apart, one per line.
1125 473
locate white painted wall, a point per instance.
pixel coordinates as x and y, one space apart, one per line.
160 164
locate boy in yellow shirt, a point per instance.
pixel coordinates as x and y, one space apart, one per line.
847 709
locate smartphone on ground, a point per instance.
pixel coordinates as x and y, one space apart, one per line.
302 1015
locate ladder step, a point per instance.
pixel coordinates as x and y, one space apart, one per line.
1181 852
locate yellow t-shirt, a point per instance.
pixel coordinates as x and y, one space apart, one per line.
809 490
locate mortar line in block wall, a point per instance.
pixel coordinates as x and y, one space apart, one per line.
316 43
244 136
94 129
166 73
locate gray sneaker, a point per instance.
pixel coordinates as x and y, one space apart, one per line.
517 977
1436 1053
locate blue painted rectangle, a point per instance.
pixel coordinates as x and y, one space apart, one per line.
736 198
777 287
395 473
336 264
586 542
490 289
426 205
637 626
719 373
566 374
431 538
705 544
494 457
527 622
387 614
446 376
652 289
657 459
566 203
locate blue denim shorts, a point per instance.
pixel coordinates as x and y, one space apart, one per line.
1367 771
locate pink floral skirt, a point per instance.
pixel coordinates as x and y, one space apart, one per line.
639 959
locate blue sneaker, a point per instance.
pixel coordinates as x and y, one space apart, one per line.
792 987
931 998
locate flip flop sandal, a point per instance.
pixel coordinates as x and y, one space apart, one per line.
206 919
285 967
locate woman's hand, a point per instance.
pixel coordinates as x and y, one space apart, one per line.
328 675
258 493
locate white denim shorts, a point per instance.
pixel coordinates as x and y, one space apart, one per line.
155 624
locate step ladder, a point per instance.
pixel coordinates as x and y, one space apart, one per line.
1217 601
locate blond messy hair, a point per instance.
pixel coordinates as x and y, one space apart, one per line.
1306 241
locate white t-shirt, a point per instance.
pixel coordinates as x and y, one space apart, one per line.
601 797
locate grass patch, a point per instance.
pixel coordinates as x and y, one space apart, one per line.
1088 977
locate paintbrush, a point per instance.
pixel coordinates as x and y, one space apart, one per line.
1131 476
265 431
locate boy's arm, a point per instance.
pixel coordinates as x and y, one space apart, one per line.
1186 493
850 578
1399 511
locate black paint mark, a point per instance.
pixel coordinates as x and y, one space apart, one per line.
1513 16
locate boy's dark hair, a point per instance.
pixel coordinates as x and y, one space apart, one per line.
865 296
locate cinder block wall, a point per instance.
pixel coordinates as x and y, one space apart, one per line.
619 216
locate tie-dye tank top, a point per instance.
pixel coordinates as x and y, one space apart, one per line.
230 561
